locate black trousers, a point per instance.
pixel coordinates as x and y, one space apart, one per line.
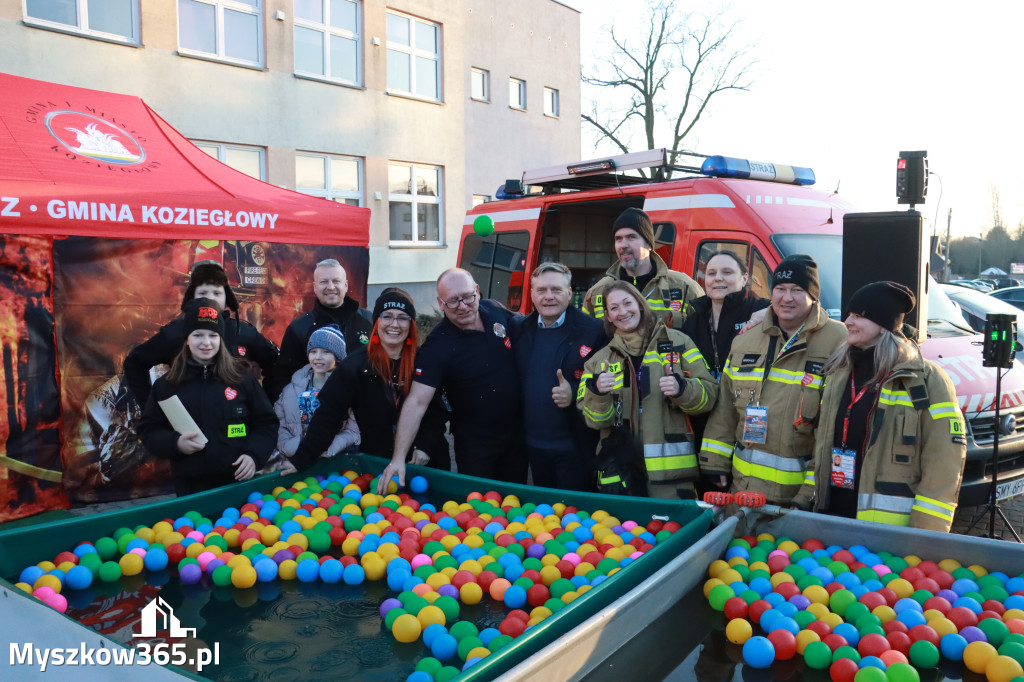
564 469
501 457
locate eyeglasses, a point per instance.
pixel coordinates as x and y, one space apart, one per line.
388 318
454 303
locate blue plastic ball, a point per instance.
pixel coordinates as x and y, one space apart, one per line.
85 548
758 652
266 571
432 632
155 560
307 571
487 634
873 661
418 484
420 676
31 574
78 578
952 646
331 570
515 596
849 632
444 647
354 574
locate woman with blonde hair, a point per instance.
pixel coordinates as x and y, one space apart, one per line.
890 442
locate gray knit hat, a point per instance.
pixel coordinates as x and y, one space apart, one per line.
330 339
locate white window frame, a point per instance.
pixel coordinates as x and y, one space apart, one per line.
219 7
82 28
415 199
520 103
486 79
328 30
327 192
222 150
413 53
552 104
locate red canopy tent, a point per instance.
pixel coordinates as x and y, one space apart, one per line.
104 208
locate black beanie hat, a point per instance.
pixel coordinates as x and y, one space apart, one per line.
801 270
210 272
396 299
203 313
636 220
884 303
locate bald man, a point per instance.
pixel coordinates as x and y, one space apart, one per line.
469 357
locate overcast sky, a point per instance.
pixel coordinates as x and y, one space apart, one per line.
843 87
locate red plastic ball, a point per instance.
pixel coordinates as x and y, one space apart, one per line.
735 607
940 604
989 614
911 574
834 641
993 605
671 526
944 579
485 579
843 670
924 632
812 544
778 563
519 614
788 590
784 642
537 595
845 556
820 628
889 595
928 567
654 526
872 600
872 644
962 617
899 641
757 609
926 584
895 626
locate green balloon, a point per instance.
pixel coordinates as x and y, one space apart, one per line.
483 225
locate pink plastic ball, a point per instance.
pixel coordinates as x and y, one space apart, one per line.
57 601
629 525
43 593
573 558
197 536
636 555
205 558
141 552
421 560
881 569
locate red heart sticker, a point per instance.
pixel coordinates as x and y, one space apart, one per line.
508 342
807 380
579 374
585 351
230 393
676 305
241 351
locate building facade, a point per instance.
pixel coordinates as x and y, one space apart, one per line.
416 109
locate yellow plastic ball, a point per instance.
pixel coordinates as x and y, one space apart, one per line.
817 594
50 580
977 655
942 626
901 587
132 564
470 593
738 630
407 628
1002 669
287 569
950 565
805 637
429 615
243 577
886 613
716 567
711 584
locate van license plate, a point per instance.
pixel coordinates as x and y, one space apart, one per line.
1010 489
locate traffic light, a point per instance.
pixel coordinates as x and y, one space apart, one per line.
912 177
1000 347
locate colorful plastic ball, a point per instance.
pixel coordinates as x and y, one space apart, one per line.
924 654
354 574
131 564
952 647
843 670
818 655
78 578
977 655
190 574
418 484
110 571
1000 669
514 597
444 647
902 672
738 631
758 652
60 602
307 571
406 628
156 559
31 574
243 577
420 676
870 674
784 642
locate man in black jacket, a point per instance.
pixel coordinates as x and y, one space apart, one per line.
551 345
333 306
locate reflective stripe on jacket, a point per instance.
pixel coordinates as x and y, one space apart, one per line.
791 392
914 459
668 294
664 430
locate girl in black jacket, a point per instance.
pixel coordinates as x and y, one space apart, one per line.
237 424
373 382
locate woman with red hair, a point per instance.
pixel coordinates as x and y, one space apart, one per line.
373 382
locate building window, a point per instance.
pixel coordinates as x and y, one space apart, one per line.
248 160
327 39
225 29
414 203
517 93
337 178
480 199
480 84
551 102
112 19
414 56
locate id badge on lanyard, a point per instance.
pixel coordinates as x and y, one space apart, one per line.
755 424
844 466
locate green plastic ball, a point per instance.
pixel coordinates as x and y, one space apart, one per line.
924 654
483 225
817 655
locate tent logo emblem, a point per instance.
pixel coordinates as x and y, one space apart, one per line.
158 616
94 137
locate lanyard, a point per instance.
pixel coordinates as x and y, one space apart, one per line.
792 339
854 397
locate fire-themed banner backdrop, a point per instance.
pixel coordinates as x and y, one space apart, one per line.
107 296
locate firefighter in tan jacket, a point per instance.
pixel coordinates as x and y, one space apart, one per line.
890 447
649 378
761 433
668 293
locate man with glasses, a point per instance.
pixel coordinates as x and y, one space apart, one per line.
551 345
668 292
469 357
333 306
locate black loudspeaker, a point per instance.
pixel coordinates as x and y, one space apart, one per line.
887 246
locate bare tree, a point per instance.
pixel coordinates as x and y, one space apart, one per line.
671 71
997 212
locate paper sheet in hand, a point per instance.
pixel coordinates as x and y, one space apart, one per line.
181 421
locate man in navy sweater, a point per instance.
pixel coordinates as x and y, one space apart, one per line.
551 345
